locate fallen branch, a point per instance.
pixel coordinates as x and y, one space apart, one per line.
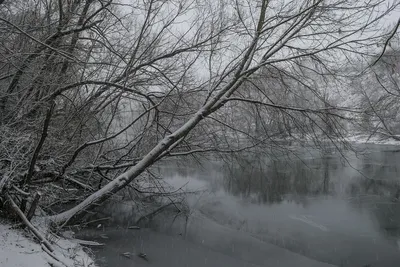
54 257
45 244
22 192
29 225
79 184
87 242
51 177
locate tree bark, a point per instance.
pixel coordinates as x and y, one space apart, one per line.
34 204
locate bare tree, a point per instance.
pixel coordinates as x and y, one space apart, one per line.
105 89
378 92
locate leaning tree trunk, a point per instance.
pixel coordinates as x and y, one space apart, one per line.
241 72
156 153
280 51
125 178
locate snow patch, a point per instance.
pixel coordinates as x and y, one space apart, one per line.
367 139
17 249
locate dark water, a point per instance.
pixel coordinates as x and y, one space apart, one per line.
305 209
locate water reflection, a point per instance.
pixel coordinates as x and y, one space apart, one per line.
274 180
337 209
340 209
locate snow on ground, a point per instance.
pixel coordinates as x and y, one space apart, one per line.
367 139
18 249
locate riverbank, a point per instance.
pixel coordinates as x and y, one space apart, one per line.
19 249
303 220
368 139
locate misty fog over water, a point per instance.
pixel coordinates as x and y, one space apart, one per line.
272 211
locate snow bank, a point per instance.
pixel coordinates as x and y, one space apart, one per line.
18 249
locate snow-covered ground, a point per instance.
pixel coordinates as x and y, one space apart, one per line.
18 249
